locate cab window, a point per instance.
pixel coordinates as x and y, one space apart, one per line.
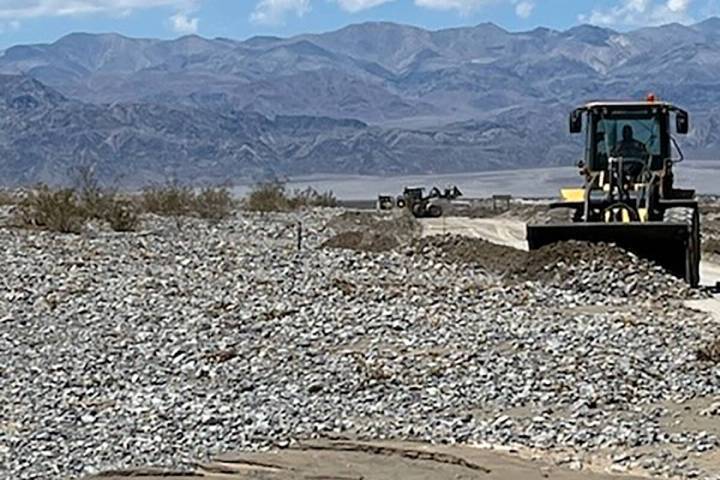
630 138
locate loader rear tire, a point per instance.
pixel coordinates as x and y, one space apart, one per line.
691 218
419 210
435 211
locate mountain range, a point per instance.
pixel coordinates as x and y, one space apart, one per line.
373 98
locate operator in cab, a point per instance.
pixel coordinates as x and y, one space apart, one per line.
628 146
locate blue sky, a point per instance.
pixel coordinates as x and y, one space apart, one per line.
31 21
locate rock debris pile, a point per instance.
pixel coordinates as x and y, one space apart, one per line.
593 269
161 347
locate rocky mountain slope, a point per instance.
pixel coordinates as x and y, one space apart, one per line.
373 98
44 135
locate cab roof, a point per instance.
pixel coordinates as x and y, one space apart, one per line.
628 104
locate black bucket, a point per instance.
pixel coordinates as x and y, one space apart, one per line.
666 244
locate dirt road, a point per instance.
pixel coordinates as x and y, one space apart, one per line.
709 273
502 231
348 460
709 276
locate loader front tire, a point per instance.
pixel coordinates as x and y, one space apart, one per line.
690 217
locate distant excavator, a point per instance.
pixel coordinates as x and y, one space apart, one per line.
432 205
629 197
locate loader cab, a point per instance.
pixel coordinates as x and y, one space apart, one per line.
639 132
414 193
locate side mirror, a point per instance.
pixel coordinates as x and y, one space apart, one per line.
682 122
576 122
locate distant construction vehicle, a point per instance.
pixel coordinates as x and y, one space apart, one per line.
385 202
629 197
432 205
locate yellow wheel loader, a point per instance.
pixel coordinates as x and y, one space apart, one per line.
629 197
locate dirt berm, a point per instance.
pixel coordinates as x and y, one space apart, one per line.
372 232
576 266
535 265
347 460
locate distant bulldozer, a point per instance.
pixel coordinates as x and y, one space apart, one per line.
385 202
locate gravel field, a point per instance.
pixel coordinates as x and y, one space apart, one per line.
163 347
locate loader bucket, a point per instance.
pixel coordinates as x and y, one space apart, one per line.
664 243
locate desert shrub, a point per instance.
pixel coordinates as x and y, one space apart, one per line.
122 215
96 200
169 200
56 210
273 197
268 197
213 203
102 203
312 198
67 210
178 201
8 198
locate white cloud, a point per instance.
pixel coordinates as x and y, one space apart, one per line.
463 6
183 23
524 9
678 5
641 12
273 12
16 9
353 6
460 5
